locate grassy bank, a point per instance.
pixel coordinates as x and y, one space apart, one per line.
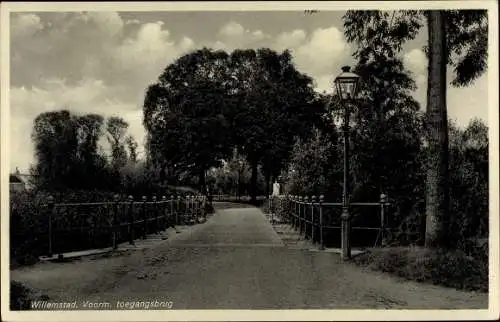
454 268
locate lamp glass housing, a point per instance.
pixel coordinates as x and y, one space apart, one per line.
347 83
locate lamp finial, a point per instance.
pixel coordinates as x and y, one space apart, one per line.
346 69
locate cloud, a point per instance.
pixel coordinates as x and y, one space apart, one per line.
324 83
318 54
142 57
25 25
416 61
132 22
323 51
97 62
86 63
232 35
462 104
232 29
90 96
292 39
67 48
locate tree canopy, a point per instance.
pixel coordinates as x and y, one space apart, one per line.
207 102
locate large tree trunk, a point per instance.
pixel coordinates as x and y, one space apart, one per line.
268 183
253 182
201 181
437 193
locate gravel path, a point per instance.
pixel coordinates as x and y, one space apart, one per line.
235 261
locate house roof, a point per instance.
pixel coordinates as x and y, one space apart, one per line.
15 179
20 178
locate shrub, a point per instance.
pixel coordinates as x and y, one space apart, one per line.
29 221
451 268
20 296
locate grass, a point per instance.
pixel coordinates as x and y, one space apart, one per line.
20 296
453 269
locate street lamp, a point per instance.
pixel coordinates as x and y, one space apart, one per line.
347 85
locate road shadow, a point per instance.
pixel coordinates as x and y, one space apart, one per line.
219 205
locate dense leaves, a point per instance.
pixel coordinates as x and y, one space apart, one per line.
184 113
208 102
455 37
68 153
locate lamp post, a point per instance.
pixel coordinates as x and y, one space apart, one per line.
346 84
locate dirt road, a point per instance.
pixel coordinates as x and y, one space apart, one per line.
235 261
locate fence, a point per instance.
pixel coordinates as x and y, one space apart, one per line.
320 221
78 226
231 198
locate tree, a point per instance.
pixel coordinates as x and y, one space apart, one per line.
116 129
271 97
66 150
55 138
184 113
457 38
89 168
132 148
469 182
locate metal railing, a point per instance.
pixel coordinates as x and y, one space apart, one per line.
79 226
232 198
314 218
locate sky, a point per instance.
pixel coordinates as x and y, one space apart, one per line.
102 62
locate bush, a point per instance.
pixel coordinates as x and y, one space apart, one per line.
451 268
20 296
29 222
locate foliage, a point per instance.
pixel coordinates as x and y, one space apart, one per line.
315 167
67 151
116 129
132 148
28 219
383 33
469 183
20 296
458 36
449 268
272 97
184 113
208 102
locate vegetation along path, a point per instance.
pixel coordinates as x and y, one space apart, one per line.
235 261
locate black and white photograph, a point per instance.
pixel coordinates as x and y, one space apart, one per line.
258 160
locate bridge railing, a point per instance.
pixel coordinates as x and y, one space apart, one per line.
320 221
80 226
232 198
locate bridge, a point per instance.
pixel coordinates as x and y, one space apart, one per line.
236 259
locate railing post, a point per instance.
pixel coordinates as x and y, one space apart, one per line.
190 208
295 211
114 223
313 200
321 200
271 208
199 214
179 208
304 220
131 220
164 212
155 211
50 212
193 210
300 215
144 217
173 213
383 201
187 213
